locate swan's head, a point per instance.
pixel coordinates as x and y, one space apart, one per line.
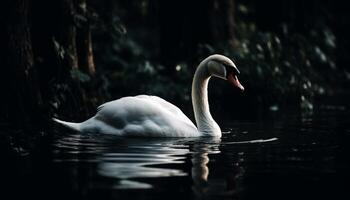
222 67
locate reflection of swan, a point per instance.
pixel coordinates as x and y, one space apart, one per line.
154 117
204 187
124 159
200 159
139 158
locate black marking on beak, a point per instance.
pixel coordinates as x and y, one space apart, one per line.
231 69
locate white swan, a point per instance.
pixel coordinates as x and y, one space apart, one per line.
151 116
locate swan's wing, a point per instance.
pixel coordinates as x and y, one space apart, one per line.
165 104
141 110
139 107
172 112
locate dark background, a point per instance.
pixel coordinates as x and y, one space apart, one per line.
63 58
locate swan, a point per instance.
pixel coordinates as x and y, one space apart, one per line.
152 116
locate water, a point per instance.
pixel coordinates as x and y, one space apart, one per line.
289 155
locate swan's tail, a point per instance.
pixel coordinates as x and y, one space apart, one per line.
70 125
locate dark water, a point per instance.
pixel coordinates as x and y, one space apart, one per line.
306 158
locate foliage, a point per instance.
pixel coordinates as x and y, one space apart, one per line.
131 71
290 65
275 66
286 64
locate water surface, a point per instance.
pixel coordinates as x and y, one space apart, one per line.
291 155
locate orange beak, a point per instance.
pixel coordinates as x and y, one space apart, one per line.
235 82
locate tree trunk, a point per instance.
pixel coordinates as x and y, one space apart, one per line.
230 21
86 58
51 45
85 54
222 21
69 33
19 78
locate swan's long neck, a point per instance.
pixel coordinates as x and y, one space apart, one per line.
205 122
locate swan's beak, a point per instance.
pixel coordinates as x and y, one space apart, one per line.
235 82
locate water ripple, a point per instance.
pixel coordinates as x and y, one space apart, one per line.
129 159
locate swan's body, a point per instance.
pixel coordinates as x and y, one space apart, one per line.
151 116
141 115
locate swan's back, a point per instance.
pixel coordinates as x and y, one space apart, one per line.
141 115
